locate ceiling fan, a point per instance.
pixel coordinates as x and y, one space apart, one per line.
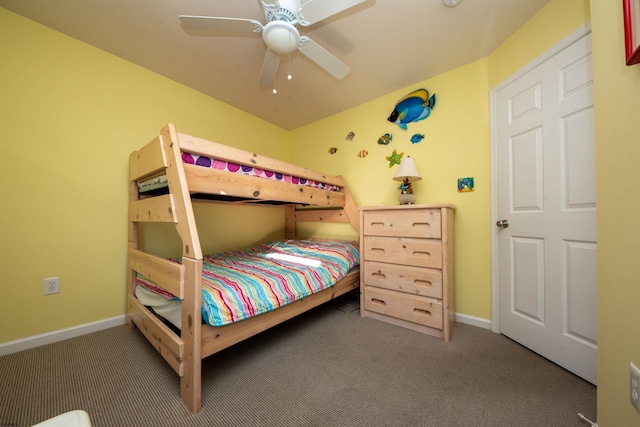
280 33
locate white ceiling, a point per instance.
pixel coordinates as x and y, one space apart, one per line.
388 44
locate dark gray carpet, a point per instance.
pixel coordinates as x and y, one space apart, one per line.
323 368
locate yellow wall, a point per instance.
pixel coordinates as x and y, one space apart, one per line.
70 114
552 23
456 145
617 103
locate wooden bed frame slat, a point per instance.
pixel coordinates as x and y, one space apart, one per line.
215 339
154 209
202 147
159 335
169 275
213 181
147 161
163 156
322 216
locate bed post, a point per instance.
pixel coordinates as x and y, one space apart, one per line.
190 384
350 208
290 222
133 243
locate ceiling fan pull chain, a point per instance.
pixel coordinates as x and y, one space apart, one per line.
289 76
275 65
274 86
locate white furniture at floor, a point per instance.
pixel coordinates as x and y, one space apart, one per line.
68 419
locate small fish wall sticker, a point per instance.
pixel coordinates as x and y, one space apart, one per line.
349 136
385 139
465 185
363 153
333 150
414 107
394 158
417 137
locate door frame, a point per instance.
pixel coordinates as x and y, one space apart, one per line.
576 35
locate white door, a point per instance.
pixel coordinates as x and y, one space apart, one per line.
545 181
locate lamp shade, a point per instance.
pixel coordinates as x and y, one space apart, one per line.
407 169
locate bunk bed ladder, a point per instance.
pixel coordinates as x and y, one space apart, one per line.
162 155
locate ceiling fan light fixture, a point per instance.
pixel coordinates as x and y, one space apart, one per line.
281 37
280 33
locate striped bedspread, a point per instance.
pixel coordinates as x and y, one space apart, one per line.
241 284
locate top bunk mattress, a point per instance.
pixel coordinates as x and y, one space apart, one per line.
241 284
159 182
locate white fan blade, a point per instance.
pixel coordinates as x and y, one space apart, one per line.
269 68
315 11
212 23
323 58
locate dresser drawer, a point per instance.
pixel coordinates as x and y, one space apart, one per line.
413 280
412 308
420 223
407 251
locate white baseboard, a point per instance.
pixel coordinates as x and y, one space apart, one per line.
65 334
60 335
473 321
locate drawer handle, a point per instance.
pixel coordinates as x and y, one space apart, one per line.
420 253
423 283
377 250
377 224
378 301
421 225
378 276
421 312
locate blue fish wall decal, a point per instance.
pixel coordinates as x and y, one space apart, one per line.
417 138
414 107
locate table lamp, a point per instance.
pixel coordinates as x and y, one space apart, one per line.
407 173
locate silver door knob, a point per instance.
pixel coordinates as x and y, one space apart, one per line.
503 223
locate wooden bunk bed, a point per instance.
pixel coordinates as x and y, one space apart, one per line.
189 183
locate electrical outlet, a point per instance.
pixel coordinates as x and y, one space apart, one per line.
52 285
635 386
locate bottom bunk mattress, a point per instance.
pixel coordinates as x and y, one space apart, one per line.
241 284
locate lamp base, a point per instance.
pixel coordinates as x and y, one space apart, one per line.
407 199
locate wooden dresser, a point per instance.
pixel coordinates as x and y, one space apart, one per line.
406 268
